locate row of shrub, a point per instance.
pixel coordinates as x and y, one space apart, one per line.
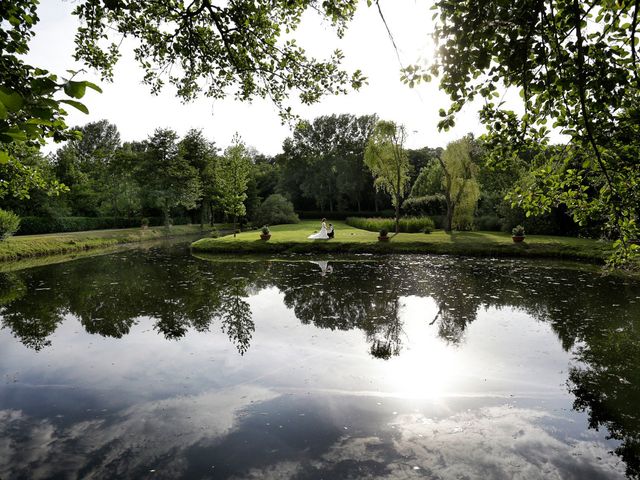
406 224
40 225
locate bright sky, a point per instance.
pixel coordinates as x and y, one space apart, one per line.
127 102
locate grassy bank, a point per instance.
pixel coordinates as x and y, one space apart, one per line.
26 246
293 239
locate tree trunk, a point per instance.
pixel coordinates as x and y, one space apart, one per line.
448 227
166 214
398 197
397 214
235 218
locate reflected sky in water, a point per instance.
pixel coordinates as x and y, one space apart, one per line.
159 364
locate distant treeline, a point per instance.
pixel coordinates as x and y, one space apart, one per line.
321 171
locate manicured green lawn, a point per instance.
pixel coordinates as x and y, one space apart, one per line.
24 246
293 238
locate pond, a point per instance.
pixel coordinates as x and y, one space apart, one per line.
159 364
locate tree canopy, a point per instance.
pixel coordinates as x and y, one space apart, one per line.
323 160
576 66
201 47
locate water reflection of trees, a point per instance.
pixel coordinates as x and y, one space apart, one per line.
108 297
352 297
596 318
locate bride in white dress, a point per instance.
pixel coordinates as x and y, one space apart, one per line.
322 234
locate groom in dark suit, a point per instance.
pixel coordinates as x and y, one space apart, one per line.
330 232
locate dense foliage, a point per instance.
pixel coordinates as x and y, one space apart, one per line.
276 210
39 225
576 65
323 162
9 223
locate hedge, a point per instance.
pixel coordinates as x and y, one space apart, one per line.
40 225
406 224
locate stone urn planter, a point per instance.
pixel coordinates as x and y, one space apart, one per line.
265 233
383 236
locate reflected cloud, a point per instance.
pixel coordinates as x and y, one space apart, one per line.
490 443
152 435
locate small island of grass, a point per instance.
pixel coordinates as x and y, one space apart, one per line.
293 239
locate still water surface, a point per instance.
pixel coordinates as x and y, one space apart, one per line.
160 364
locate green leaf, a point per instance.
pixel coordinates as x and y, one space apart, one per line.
75 89
93 86
10 99
4 157
14 134
78 105
39 121
3 111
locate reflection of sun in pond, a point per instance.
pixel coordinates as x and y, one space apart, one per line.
426 366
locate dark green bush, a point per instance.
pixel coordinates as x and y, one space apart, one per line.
39 225
488 223
276 210
9 223
406 224
427 205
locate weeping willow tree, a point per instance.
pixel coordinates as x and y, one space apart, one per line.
461 188
387 159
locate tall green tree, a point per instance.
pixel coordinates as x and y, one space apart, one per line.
460 185
323 161
232 177
576 64
387 159
168 179
84 165
201 154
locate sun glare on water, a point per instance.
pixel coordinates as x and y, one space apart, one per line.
427 367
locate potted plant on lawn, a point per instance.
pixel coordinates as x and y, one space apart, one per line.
384 235
265 234
517 234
